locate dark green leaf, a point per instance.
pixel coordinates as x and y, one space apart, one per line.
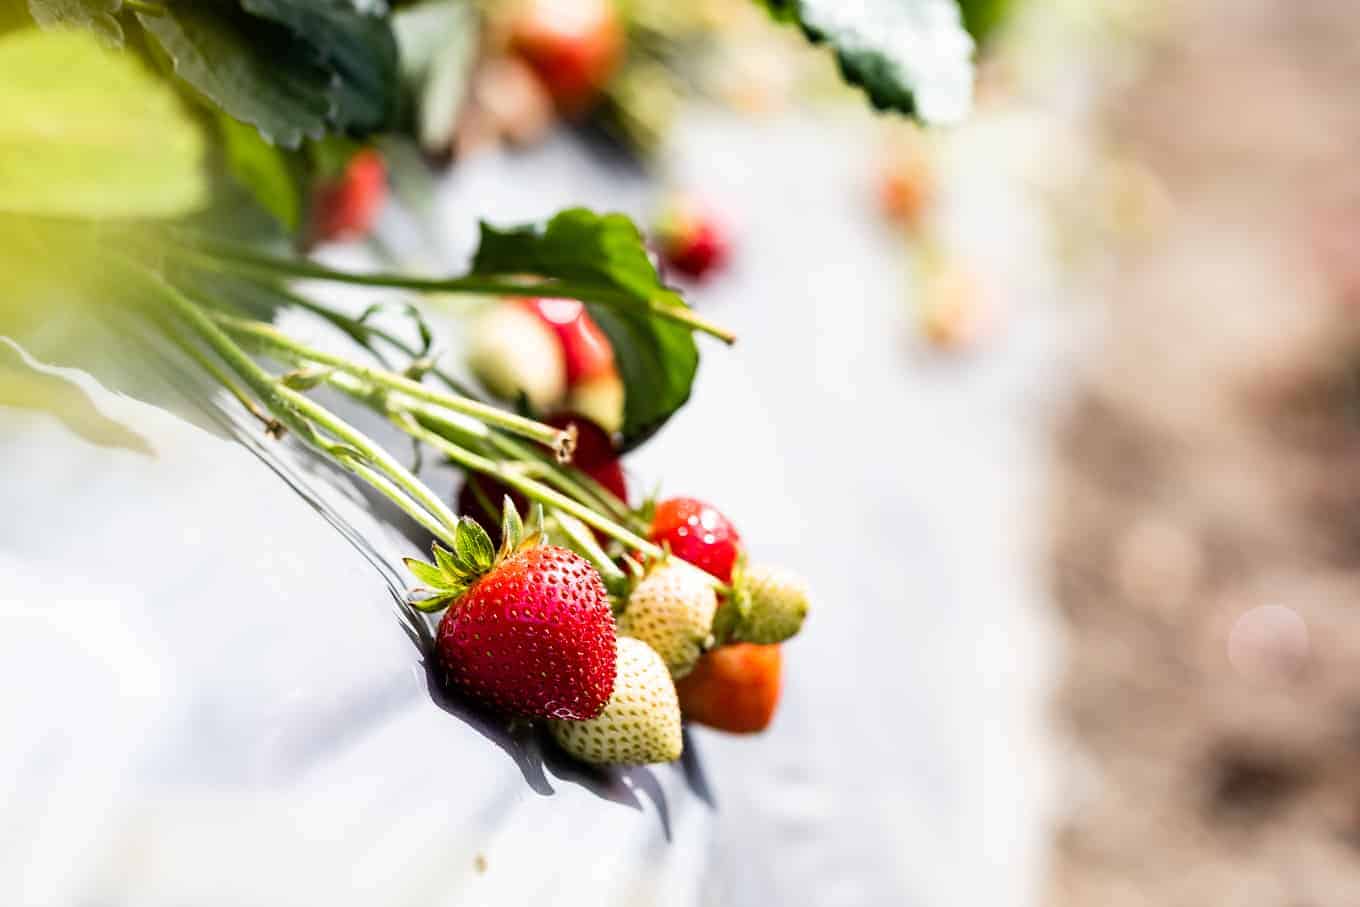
257 72
473 546
604 255
96 15
913 56
358 50
263 170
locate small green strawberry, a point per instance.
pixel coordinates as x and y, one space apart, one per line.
778 603
767 606
672 611
641 722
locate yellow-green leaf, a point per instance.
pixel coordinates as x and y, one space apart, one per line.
88 132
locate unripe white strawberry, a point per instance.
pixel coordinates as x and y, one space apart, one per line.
672 611
641 722
777 603
512 353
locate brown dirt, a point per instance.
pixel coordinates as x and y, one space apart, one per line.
1206 529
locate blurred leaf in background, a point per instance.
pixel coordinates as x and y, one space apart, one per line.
912 56
90 133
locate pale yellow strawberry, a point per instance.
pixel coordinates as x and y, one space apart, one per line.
672 610
641 722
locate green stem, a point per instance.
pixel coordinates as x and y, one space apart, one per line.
294 410
247 260
270 337
530 488
373 453
146 8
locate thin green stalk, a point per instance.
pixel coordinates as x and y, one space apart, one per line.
272 426
293 409
396 495
374 453
578 484
272 338
247 260
530 488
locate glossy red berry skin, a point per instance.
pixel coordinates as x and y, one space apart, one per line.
698 533
585 348
534 637
347 207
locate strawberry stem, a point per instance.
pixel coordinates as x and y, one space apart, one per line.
247 260
300 414
270 337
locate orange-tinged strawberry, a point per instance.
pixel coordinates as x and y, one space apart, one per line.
733 688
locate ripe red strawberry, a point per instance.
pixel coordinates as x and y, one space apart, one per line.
528 631
692 239
585 348
733 688
573 45
698 533
346 207
595 456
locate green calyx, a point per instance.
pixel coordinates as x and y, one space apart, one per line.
767 605
472 557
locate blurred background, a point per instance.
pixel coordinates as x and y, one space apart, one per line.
1055 408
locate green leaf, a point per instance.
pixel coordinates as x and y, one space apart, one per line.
435 602
358 50
913 56
88 132
604 255
263 170
473 546
96 15
426 573
512 529
255 71
444 559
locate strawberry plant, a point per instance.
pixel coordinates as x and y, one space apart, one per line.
163 162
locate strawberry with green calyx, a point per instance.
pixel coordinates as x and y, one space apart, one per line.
767 605
733 688
640 724
672 610
528 630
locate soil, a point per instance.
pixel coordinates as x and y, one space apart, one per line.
1205 545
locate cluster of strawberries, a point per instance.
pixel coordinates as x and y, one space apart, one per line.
531 631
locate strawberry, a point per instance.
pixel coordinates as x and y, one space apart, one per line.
585 348
345 208
672 610
512 352
906 182
600 400
691 238
696 532
733 688
953 311
573 45
595 456
528 630
641 723
776 602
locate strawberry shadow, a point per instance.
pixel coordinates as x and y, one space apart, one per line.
528 744
691 766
